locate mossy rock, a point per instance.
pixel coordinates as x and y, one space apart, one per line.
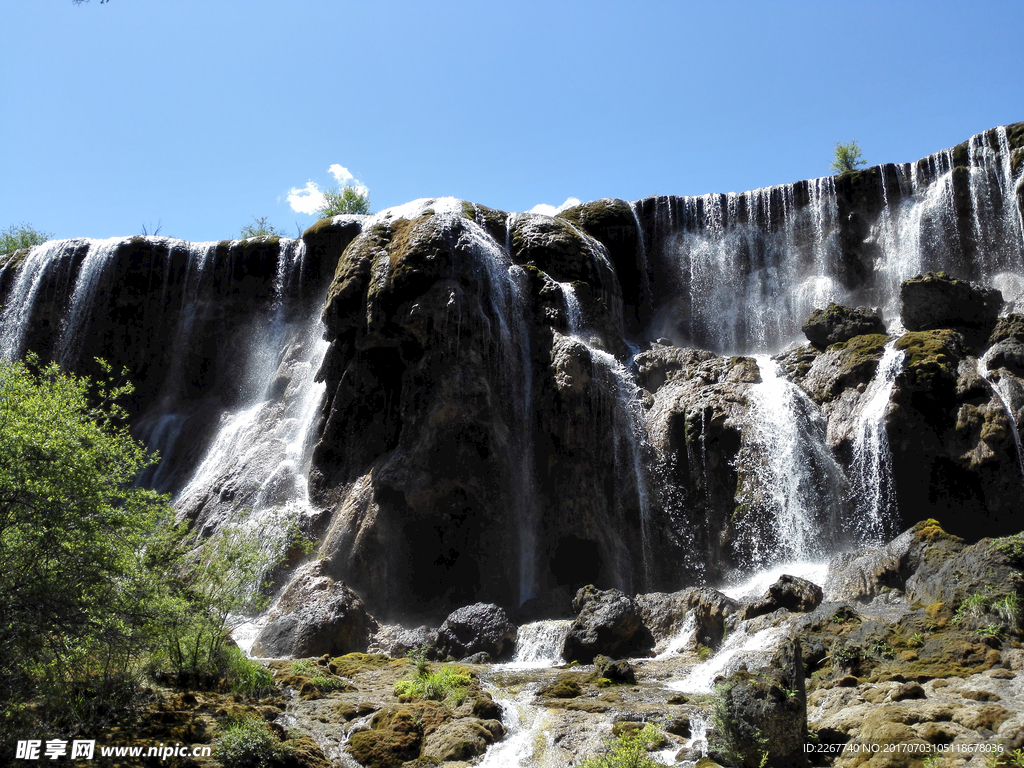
565 686
838 324
930 356
351 664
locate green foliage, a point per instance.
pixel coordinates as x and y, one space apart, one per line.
210 588
844 656
1010 609
345 200
318 676
260 227
447 684
21 236
847 157
972 607
78 605
247 743
247 677
629 750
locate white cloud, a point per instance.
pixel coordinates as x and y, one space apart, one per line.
341 174
550 210
310 199
307 199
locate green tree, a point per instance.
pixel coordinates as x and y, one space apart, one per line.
21 236
847 157
348 199
260 227
77 604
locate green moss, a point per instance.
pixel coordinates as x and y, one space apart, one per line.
317 227
565 686
930 356
931 531
351 664
960 155
1012 548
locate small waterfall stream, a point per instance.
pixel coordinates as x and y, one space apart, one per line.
791 495
875 497
630 431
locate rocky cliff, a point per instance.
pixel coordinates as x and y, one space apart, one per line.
505 407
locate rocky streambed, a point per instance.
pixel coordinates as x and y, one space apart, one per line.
908 654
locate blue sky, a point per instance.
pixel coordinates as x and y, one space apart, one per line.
201 114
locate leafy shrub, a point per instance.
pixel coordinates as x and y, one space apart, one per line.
629 750
21 236
345 200
247 743
260 227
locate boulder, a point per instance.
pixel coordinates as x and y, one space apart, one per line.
763 716
620 671
837 323
936 300
462 739
474 629
789 592
664 614
315 615
396 641
607 622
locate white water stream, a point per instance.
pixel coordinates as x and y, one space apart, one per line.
875 496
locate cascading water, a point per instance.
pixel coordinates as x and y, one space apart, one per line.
791 497
630 433
750 263
539 644
53 256
748 268
874 495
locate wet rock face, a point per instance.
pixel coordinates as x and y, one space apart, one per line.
664 614
837 323
475 629
315 615
457 404
936 300
607 623
951 437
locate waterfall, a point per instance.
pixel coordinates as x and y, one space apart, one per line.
744 270
629 425
87 282
875 496
754 265
32 270
258 459
525 726
740 648
539 644
791 499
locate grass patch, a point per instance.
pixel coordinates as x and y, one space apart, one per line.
247 677
317 676
629 750
447 684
